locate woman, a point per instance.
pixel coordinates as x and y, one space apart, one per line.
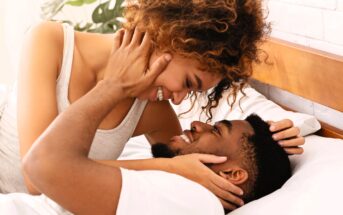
207 44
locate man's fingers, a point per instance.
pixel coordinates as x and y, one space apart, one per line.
288 133
137 37
158 66
281 125
299 141
118 37
127 38
294 150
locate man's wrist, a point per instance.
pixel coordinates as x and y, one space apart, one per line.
113 89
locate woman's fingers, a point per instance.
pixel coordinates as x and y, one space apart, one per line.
227 205
213 159
288 133
294 150
225 184
227 196
295 142
280 125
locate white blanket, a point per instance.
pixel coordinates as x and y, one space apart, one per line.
315 187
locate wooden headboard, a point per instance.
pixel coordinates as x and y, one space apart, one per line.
309 73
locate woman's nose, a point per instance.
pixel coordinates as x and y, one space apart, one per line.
179 96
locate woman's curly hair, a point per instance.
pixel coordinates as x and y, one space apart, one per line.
222 35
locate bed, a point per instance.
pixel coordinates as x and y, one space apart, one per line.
316 77
315 186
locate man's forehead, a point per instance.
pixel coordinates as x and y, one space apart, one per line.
244 126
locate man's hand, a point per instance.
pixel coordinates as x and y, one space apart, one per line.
193 167
287 136
128 62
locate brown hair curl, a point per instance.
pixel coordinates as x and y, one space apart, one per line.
223 35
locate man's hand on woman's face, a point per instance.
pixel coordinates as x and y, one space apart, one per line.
287 136
127 65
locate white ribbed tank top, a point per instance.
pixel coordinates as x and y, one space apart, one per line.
107 144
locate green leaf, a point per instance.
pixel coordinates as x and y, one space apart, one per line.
89 1
103 13
75 2
79 2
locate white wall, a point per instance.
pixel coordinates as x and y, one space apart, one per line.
313 23
16 17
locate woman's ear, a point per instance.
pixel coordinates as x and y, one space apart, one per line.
235 175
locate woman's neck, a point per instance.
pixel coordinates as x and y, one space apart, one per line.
95 50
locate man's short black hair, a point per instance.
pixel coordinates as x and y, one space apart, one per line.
272 162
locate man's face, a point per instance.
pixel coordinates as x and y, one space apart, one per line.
222 139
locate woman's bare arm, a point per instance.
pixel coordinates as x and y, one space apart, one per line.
58 162
37 106
159 122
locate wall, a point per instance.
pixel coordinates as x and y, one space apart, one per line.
313 23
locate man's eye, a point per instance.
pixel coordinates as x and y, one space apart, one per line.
216 130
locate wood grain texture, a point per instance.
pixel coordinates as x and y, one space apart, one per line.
309 73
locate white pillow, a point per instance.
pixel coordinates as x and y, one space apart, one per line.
315 187
253 102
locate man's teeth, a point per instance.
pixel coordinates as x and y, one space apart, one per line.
160 94
185 138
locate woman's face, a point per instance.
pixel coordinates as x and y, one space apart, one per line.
181 76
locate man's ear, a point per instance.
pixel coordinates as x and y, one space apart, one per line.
235 175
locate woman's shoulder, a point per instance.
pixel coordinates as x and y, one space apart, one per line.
47 31
44 41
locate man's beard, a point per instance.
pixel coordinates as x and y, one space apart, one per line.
161 150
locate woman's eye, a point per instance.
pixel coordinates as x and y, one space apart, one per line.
188 84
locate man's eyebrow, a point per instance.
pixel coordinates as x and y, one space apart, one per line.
199 82
226 123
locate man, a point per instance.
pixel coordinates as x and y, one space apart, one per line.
255 162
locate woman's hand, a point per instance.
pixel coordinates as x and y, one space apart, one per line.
193 167
287 136
128 62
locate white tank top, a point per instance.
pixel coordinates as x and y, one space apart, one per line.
107 144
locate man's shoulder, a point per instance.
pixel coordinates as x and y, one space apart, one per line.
165 193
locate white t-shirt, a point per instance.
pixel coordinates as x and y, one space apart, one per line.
143 193
158 192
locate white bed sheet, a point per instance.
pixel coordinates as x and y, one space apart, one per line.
315 187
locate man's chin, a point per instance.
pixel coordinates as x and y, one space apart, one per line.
162 150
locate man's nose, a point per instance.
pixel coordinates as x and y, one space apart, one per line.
179 96
199 127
